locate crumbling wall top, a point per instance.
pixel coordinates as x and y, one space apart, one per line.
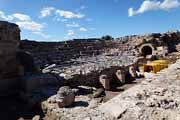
9 32
8 25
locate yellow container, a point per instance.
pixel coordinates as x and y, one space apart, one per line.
155 66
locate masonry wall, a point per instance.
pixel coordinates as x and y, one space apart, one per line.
9 67
58 52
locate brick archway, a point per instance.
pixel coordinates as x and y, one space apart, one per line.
146 49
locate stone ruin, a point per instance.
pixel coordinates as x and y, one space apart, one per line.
10 69
96 63
79 63
14 63
58 52
153 44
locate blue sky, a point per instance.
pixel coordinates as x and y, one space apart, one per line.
57 20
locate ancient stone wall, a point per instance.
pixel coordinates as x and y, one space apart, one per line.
9 67
169 41
58 52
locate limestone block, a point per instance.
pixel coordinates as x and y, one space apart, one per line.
120 74
65 97
132 71
105 82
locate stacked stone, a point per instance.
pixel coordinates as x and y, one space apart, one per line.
89 70
89 64
9 68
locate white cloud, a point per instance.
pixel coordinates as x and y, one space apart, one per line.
82 29
62 20
42 34
69 14
148 5
58 19
30 25
5 17
24 21
70 33
46 11
168 4
18 16
73 25
21 17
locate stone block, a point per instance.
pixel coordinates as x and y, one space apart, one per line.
65 97
120 74
105 81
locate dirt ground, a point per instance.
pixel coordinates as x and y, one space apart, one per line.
13 108
119 90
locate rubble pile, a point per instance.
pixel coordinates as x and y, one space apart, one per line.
86 65
155 98
89 69
65 97
85 71
82 108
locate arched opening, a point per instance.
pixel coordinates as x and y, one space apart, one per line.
146 50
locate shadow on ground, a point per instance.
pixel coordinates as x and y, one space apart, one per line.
13 108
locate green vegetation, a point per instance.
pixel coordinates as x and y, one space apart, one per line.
107 37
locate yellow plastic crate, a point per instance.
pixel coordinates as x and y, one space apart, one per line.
155 66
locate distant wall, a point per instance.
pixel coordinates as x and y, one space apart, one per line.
58 52
169 41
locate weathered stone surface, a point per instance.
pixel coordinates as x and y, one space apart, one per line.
99 93
105 81
132 71
86 71
120 74
36 117
65 97
26 60
9 67
34 81
83 108
151 100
